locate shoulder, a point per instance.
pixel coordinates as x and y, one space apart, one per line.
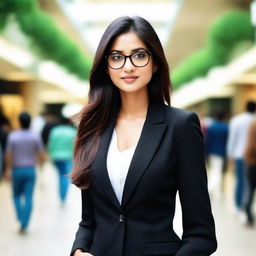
55 130
67 129
13 135
178 116
72 129
36 137
184 125
240 117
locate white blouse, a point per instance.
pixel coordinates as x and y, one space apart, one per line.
118 163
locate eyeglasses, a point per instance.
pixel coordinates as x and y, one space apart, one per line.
138 59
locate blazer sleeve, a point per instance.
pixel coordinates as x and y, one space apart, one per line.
85 231
198 237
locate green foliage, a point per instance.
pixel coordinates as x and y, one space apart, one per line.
15 6
196 64
224 35
3 20
232 27
46 37
53 43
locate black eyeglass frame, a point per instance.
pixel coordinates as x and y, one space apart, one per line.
129 56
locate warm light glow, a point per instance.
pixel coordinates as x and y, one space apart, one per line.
53 73
16 55
91 19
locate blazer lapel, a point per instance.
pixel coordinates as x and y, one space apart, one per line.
151 136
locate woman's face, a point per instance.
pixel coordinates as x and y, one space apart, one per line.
130 78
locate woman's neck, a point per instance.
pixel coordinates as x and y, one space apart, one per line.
134 105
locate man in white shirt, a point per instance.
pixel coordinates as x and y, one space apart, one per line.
237 138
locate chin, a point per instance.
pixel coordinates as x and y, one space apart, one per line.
128 90
131 88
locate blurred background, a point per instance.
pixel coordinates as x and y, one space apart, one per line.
46 52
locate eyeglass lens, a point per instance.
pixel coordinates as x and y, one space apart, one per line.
138 59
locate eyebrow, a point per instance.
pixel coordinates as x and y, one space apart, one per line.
134 50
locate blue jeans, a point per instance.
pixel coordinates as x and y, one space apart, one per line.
241 189
23 183
63 167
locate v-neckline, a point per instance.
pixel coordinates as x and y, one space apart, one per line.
144 151
116 144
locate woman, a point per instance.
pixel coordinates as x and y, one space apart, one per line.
250 161
133 152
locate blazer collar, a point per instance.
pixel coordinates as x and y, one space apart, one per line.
144 152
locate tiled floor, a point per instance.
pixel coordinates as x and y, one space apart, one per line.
53 226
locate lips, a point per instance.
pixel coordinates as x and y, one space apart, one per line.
129 79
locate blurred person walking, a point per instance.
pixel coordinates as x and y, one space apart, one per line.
45 127
50 122
216 142
5 128
205 122
60 148
38 123
3 140
237 138
24 150
250 160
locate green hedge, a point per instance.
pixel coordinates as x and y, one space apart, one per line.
3 20
230 30
8 7
13 6
195 65
50 42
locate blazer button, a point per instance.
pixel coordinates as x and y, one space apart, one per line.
121 218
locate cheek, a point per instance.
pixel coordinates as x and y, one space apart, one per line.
149 68
148 73
113 74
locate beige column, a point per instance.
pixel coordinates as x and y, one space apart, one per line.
243 93
30 91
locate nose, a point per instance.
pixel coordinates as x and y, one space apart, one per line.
128 66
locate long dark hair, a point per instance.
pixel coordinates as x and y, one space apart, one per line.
104 98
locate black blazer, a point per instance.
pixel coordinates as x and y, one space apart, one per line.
169 157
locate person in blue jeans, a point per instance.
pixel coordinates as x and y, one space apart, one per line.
24 149
216 142
236 144
60 148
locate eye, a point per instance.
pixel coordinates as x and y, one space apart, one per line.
140 55
116 57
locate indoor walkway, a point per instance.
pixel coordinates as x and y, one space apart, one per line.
53 226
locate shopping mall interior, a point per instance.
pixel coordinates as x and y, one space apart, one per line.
47 48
